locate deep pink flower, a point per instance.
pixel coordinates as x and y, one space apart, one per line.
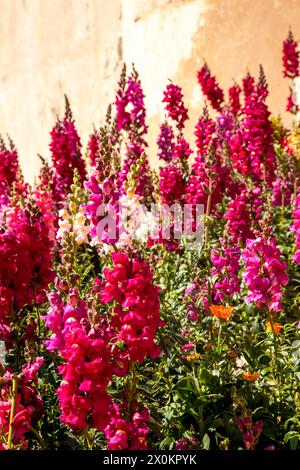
234 99
250 431
291 106
265 273
171 184
210 87
136 315
87 370
258 139
131 112
165 142
127 434
238 218
225 269
182 150
248 85
173 98
9 167
282 192
65 149
25 261
205 133
290 57
29 404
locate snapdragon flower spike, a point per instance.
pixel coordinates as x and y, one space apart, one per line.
93 147
131 118
248 85
175 107
290 57
29 404
291 106
282 192
224 271
257 205
87 371
165 142
234 99
44 199
205 132
136 315
258 138
204 174
238 217
9 167
25 262
144 186
100 194
82 395
102 152
60 314
126 434
296 227
239 154
171 184
265 272
225 126
210 87
130 107
65 147
208 167
262 85
182 150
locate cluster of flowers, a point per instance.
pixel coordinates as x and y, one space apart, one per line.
136 312
94 350
124 434
9 168
265 273
250 431
87 371
25 264
65 150
57 245
290 59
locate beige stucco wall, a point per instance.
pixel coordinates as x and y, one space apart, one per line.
49 47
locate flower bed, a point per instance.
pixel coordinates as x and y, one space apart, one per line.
115 335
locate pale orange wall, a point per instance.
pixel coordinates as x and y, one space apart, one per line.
49 47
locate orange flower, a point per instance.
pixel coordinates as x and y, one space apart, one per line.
220 311
193 357
250 377
277 327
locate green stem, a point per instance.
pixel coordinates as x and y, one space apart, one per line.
207 213
37 313
219 338
277 376
12 410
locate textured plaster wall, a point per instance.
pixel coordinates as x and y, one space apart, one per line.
49 47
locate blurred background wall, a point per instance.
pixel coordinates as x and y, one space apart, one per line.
51 47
